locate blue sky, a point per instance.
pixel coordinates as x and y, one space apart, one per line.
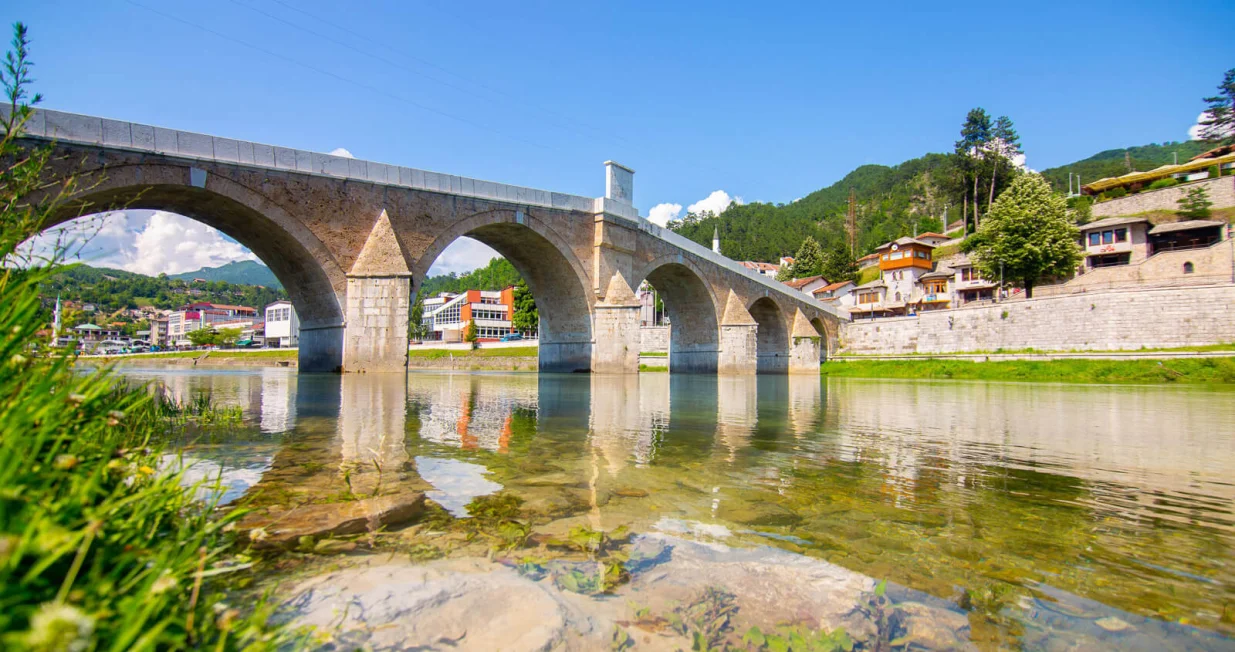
761 101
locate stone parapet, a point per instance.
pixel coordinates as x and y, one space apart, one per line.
1221 192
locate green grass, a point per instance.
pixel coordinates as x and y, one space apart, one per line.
867 275
947 250
654 354
1202 370
652 368
1203 348
512 352
276 354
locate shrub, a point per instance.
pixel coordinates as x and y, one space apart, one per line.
1214 172
1116 193
1163 183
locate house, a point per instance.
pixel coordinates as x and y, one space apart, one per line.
1189 234
446 316
839 293
869 260
807 285
282 327
869 299
967 282
901 263
933 239
765 269
1115 241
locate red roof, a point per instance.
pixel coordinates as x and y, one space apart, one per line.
869 257
749 264
932 234
832 287
799 283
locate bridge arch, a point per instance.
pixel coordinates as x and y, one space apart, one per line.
557 279
314 281
694 326
826 336
772 336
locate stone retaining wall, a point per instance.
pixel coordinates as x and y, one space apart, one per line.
1092 321
1210 266
654 338
1221 193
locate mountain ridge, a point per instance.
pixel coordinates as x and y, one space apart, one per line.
239 272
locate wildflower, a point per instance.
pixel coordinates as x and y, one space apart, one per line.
114 417
60 627
17 360
115 465
258 534
165 583
66 462
77 399
145 470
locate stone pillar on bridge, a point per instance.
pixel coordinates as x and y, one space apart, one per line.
616 329
379 296
804 345
739 347
615 325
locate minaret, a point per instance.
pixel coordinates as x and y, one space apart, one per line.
55 322
716 240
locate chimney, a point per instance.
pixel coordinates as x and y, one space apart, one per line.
619 183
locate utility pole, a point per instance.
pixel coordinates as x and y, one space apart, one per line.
851 223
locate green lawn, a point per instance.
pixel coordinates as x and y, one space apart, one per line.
277 354
511 352
652 368
1199 370
1205 348
654 354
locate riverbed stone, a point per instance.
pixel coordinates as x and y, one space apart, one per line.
284 529
757 513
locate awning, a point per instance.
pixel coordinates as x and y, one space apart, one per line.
244 343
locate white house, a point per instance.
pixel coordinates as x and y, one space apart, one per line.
282 325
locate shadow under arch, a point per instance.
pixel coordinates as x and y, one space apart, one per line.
553 273
772 337
313 279
826 337
694 329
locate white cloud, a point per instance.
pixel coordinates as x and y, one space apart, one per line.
339 151
662 214
716 202
148 242
1194 132
463 255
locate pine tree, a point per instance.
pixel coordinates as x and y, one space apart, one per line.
809 259
840 264
1026 236
1195 205
471 334
1218 124
1004 147
975 134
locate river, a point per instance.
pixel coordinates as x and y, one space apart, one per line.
1047 516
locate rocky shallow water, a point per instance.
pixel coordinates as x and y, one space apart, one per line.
516 511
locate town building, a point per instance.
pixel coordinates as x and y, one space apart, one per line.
839 293
651 308
932 239
898 290
968 285
196 316
766 269
158 332
869 260
282 327
807 285
446 316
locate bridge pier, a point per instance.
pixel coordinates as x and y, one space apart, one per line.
739 343
805 344
379 300
617 345
320 349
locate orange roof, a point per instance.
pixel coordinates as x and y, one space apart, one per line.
869 257
832 287
799 283
750 264
932 234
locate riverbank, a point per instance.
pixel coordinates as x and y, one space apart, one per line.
237 358
1148 371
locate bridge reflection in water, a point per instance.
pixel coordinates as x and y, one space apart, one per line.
933 485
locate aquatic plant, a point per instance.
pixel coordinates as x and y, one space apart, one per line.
98 550
707 619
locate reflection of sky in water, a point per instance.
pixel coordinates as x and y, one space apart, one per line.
232 478
456 483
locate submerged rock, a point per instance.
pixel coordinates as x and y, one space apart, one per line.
283 529
757 513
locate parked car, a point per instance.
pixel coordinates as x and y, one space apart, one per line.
512 337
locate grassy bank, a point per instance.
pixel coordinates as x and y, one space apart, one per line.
1204 370
264 354
1201 348
510 352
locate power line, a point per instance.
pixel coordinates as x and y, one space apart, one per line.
341 78
430 64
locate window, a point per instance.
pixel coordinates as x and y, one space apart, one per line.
1121 235
1188 269
1108 237
922 254
1095 239
898 296
897 255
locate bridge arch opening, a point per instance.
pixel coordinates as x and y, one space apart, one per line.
314 283
558 318
825 340
694 330
771 337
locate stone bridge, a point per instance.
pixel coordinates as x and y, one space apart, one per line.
352 240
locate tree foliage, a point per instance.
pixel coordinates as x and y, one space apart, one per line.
112 289
1195 205
808 261
202 337
1218 121
1026 236
839 264
526 318
1111 162
499 274
472 333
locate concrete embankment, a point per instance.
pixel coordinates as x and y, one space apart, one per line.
190 362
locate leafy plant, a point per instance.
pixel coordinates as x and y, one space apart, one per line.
1195 205
707 619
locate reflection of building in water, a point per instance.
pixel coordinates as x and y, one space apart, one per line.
1165 439
737 412
470 411
278 413
629 414
372 420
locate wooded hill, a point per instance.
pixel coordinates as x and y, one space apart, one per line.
891 202
112 289
241 272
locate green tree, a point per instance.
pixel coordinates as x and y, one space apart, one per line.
526 318
809 259
1003 149
201 337
415 321
227 336
471 334
1218 121
975 135
1026 236
785 273
840 264
1195 205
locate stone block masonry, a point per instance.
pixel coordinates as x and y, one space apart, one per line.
375 338
1221 192
1092 321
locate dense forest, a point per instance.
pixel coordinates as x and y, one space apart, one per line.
111 290
1117 162
499 274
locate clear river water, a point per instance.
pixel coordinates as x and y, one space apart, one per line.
1046 516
